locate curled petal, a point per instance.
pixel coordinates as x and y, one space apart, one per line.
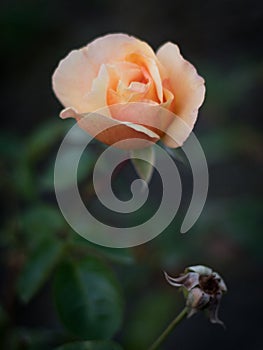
169 98
213 310
221 282
188 281
70 112
173 281
200 269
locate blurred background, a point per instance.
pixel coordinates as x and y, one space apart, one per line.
45 266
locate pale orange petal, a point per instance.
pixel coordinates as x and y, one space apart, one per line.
108 49
176 133
110 131
150 64
149 114
122 77
187 87
115 47
125 72
72 80
97 97
116 131
119 47
69 112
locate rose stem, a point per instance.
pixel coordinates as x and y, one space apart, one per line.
169 329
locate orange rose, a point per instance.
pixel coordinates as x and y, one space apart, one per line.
119 85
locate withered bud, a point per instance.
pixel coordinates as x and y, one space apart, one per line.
203 289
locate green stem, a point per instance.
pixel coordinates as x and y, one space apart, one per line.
169 329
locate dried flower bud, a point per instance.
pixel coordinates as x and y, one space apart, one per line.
203 290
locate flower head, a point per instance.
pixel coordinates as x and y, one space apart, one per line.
203 289
128 85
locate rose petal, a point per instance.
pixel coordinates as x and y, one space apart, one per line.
70 112
86 81
72 80
177 132
187 86
108 49
115 47
127 83
97 97
149 114
151 65
168 98
73 77
125 72
110 131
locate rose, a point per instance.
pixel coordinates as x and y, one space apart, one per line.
135 92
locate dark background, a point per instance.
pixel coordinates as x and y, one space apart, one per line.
223 39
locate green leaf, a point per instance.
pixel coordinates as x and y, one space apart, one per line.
85 167
23 178
38 268
40 222
42 139
88 299
122 256
9 146
90 345
144 168
31 338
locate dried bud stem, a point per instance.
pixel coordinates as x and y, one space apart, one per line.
169 329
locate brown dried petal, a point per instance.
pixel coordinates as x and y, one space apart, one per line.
197 299
189 281
221 282
213 310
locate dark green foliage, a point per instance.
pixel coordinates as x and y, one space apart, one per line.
38 267
90 345
88 298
